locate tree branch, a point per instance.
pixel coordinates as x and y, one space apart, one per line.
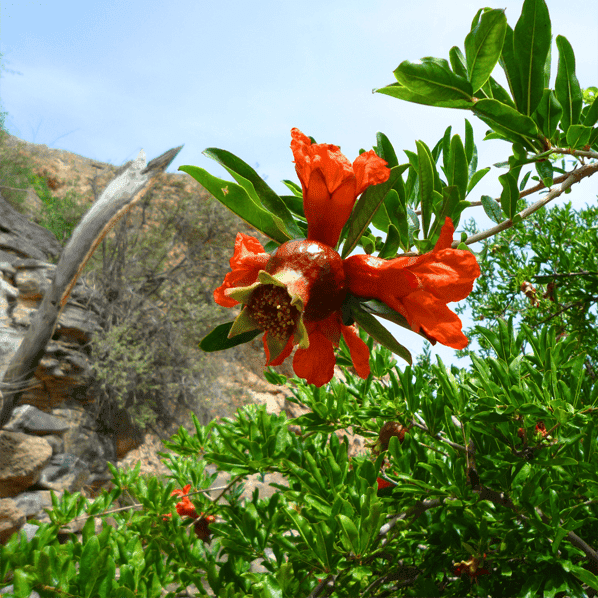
118 198
573 177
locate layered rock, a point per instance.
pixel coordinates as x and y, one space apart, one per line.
51 441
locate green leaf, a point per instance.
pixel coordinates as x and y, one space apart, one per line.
396 208
509 64
378 332
592 114
509 195
400 92
236 199
568 91
483 46
578 136
507 121
350 532
458 170
548 114
544 169
531 44
426 184
458 63
365 209
391 245
492 209
269 199
217 339
385 150
433 78
476 178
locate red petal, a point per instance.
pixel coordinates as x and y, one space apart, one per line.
360 352
316 363
446 235
369 169
430 313
248 259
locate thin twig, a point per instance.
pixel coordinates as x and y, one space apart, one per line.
574 177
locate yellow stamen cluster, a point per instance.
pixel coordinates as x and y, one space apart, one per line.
270 307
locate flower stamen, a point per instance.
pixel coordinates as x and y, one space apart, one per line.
270 307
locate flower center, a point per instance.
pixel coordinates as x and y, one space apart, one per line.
270 307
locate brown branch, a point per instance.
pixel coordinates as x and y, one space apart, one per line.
566 274
117 200
573 177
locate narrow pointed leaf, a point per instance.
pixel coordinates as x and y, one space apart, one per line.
508 62
509 195
567 88
433 78
476 178
548 114
365 209
400 92
426 184
392 243
385 150
458 171
236 199
483 46
531 43
378 332
592 114
217 339
458 63
269 199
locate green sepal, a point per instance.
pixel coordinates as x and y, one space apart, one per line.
217 339
243 323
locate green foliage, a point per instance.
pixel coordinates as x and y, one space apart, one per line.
555 251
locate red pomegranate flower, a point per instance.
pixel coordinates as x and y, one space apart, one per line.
420 287
295 295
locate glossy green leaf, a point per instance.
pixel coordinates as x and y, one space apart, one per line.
578 136
433 78
400 92
592 114
217 339
548 114
268 198
458 169
458 63
426 184
508 122
378 332
396 208
544 169
510 66
385 150
392 243
510 194
492 209
483 46
476 178
236 199
568 91
500 93
365 208
470 148
531 44
446 150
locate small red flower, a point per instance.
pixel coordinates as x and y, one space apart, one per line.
541 429
420 287
471 568
202 528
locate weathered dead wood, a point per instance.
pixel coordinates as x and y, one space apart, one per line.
117 199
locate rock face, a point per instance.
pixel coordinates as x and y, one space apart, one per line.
51 441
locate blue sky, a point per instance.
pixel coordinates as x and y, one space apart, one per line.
105 79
